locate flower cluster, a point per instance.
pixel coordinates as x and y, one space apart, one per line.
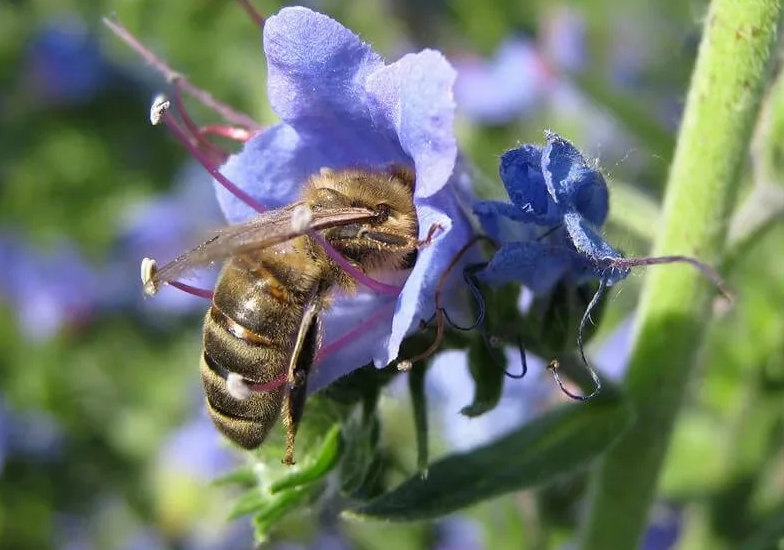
551 229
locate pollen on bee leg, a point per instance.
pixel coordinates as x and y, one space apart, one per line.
149 268
159 107
301 218
237 387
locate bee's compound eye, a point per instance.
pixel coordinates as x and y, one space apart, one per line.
237 387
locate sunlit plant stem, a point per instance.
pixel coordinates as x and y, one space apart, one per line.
722 104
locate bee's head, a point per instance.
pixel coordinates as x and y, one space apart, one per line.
388 241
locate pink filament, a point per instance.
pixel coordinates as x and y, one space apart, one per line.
192 290
258 19
231 132
205 162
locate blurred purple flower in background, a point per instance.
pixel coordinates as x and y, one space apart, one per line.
510 85
49 290
458 532
563 38
63 64
324 540
451 387
30 435
523 76
613 353
196 450
162 227
342 106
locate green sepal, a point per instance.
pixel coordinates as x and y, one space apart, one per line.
487 370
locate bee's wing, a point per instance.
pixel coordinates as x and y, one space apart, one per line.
268 229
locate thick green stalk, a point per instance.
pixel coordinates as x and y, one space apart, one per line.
726 89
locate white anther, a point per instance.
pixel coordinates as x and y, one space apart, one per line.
237 387
148 270
159 107
405 365
301 218
325 171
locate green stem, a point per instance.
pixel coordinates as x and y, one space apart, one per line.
722 104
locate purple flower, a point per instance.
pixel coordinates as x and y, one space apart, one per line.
551 230
563 38
49 290
341 106
508 86
64 63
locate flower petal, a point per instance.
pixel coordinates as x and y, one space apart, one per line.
572 181
413 98
505 222
271 168
538 266
316 84
417 299
356 329
521 172
317 68
592 246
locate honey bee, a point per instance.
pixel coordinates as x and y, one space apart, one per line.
264 320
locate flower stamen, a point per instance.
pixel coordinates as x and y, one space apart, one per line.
707 271
218 155
254 14
235 133
161 107
149 268
230 115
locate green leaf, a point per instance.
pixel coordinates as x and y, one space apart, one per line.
769 536
274 508
557 443
241 476
487 370
317 467
416 385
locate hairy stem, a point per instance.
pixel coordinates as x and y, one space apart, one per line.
722 104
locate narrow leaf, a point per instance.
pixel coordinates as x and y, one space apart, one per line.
555 444
317 467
